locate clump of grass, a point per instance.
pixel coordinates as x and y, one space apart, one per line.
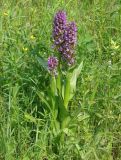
95 131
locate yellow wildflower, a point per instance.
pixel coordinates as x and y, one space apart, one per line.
5 14
25 48
32 37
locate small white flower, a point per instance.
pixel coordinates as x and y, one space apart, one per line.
109 62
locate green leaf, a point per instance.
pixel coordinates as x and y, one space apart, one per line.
52 96
53 86
67 91
62 110
58 81
70 86
73 79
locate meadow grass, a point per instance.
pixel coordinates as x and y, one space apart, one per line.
26 32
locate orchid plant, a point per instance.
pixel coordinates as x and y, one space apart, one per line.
63 71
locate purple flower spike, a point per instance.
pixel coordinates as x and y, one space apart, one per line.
59 28
65 37
52 65
70 39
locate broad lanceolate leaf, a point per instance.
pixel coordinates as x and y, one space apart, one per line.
73 79
70 86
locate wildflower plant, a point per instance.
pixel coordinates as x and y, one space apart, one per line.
63 72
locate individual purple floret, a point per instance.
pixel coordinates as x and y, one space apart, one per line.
52 64
70 39
59 28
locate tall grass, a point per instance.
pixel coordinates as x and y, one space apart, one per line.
25 120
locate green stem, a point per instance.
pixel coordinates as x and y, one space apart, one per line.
67 92
64 124
53 97
58 81
53 86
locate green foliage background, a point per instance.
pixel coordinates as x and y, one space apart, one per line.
26 31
